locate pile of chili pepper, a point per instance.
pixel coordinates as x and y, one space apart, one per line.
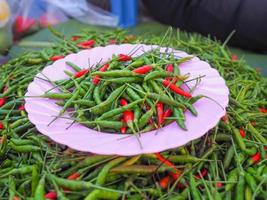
126 94
229 162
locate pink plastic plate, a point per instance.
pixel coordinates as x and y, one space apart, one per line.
41 111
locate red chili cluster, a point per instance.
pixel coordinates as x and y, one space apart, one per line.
96 79
172 175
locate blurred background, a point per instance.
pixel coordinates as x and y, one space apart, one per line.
23 23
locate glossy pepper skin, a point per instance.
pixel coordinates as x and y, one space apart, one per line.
2 101
123 57
86 44
96 79
128 115
176 89
160 113
143 70
81 73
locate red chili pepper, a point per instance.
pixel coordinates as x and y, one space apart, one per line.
256 157
176 175
219 184
168 163
22 107
203 173
81 73
57 57
123 102
164 182
123 57
242 132
172 80
176 89
86 44
96 79
74 176
23 24
112 41
16 198
169 68
51 195
160 113
1 126
167 113
74 38
263 110
2 101
128 116
143 70
234 57
123 129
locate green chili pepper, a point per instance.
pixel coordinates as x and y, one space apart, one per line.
239 139
115 73
35 179
248 193
101 194
193 189
57 95
232 178
96 95
104 124
165 100
73 66
137 114
132 94
240 187
22 171
119 110
136 63
21 141
156 88
179 117
84 102
40 189
228 157
12 187
75 185
145 118
125 80
250 181
105 105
